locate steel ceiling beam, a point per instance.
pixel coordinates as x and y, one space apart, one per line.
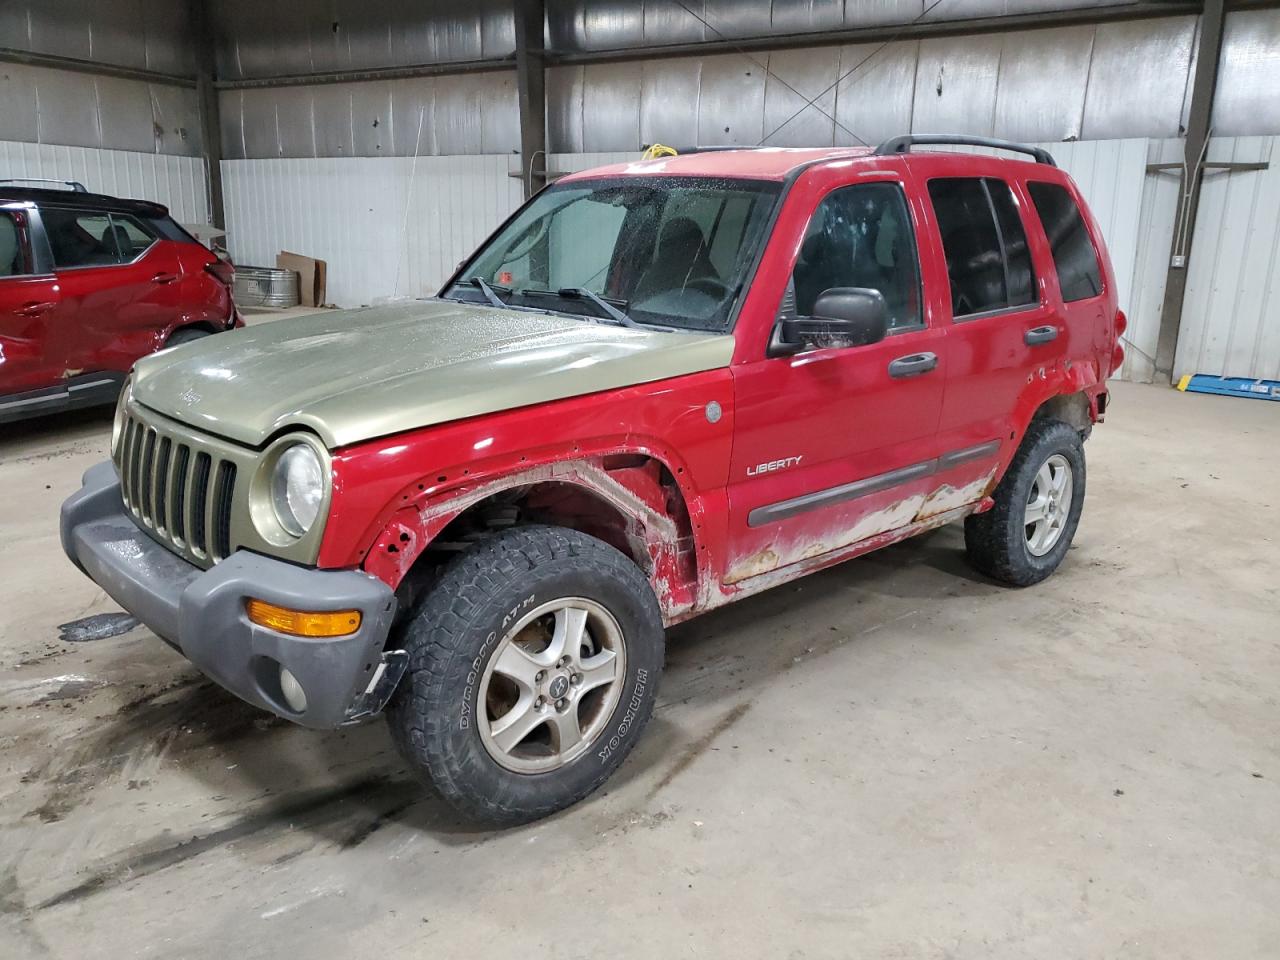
411 71
1204 82
531 75
49 60
202 42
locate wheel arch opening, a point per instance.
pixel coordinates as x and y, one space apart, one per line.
633 503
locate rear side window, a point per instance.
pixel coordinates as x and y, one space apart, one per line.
81 238
988 262
12 260
1073 255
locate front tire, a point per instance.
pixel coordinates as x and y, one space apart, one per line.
533 666
1026 535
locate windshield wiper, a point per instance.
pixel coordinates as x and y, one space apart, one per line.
582 293
600 302
487 290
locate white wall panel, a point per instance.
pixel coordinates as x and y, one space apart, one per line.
1231 320
177 182
386 226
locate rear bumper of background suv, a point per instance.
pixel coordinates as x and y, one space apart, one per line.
202 612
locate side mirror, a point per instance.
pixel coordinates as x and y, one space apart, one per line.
847 316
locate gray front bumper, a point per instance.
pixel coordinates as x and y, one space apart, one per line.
202 612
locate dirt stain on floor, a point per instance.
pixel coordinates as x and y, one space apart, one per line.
698 747
184 715
100 626
371 802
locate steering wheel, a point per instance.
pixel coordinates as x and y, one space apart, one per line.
536 231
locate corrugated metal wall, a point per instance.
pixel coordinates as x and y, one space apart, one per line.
145 34
42 105
1110 81
1106 82
428 116
583 25
1231 322
177 182
258 39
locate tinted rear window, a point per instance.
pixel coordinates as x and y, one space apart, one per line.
988 262
1073 255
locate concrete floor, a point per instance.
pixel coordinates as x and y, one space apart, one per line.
894 758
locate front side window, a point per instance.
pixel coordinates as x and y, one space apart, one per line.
81 238
860 236
988 261
672 251
1074 258
12 258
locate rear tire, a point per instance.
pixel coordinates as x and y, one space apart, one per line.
1026 535
533 666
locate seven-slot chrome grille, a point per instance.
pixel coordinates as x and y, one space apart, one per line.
179 489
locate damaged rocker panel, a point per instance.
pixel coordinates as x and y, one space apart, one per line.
784 509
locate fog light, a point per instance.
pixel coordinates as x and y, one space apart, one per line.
292 691
303 623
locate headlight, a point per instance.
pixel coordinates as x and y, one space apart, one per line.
297 488
117 425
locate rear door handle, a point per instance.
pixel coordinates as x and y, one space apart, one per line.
1040 335
164 278
913 365
35 308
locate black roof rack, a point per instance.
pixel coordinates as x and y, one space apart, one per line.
904 144
75 185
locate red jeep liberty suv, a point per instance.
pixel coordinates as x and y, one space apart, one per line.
90 283
658 387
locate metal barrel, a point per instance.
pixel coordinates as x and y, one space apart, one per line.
266 287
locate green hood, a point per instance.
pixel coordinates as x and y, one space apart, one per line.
358 374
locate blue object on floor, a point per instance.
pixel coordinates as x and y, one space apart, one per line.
1231 386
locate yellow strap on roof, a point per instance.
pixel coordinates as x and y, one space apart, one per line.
657 150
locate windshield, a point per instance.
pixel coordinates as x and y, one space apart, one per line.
666 251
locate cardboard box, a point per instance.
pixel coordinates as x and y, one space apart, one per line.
312 279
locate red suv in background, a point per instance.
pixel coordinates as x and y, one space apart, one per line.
90 283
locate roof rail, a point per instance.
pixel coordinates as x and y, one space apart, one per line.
75 185
904 144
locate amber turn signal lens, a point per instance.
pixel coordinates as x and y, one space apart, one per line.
301 623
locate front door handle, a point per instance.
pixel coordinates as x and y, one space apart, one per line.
35 308
164 278
913 365
1040 335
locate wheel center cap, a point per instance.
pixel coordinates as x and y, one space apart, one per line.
558 687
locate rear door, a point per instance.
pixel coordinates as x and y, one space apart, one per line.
1077 274
1003 325
30 355
835 445
120 286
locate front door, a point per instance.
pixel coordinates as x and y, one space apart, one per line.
29 353
836 444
